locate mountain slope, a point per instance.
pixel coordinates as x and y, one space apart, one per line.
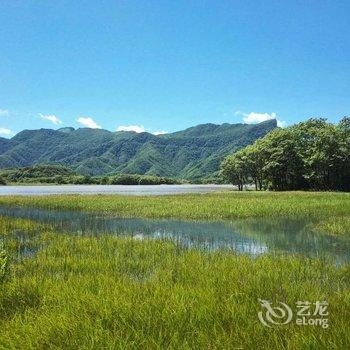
190 154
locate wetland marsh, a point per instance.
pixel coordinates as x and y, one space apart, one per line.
108 272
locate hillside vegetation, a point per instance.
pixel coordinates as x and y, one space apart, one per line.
56 174
194 153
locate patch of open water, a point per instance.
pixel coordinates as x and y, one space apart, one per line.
253 236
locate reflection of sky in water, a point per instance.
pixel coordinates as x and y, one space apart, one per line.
253 236
242 245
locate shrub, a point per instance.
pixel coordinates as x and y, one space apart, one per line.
125 179
2 181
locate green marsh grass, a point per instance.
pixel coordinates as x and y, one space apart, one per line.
108 292
337 225
21 235
216 206
326 207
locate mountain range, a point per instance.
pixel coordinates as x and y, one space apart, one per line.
193 153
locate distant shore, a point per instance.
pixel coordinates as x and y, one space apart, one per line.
136 190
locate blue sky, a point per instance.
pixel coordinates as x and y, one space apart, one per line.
167 65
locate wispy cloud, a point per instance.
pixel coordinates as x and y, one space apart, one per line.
88 123
52 118
5 131
4 112
255 117
138 129
160 132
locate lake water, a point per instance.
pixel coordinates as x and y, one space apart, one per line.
137 190
253 237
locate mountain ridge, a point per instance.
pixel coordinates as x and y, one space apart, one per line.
192 153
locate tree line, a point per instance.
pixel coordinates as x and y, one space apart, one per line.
56 174
311 155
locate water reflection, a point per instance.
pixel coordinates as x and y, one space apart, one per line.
253 237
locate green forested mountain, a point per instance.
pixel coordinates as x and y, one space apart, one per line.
193 153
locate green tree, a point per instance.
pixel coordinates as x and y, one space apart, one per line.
234 170
282 163
313 154
324 148
255 161
344 129
2 181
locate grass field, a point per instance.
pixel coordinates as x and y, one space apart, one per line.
332 209
66 291
118 293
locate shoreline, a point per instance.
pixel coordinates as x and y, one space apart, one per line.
91 189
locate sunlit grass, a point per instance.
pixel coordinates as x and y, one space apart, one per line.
218 206
108 292
9 226
118 293
228 205
337 225
19 237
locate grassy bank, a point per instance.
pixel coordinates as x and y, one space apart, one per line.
337 225
118 293
217 206
227 205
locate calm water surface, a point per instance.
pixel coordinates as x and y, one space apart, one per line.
254 237
137 190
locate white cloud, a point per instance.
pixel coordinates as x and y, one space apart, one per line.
254 117
52 118
4 131
4 113
136 128
160 132
281 123
88 122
